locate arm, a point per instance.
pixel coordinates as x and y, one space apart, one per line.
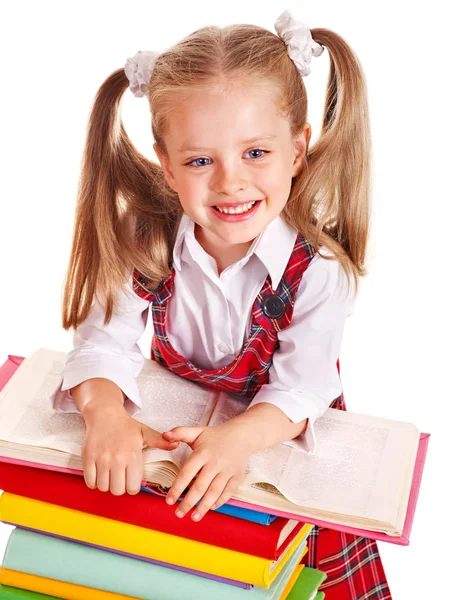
97 394
303 381
105 352
100 374
278 427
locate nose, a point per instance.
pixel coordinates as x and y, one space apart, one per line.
229 179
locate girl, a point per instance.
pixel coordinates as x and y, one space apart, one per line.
224 240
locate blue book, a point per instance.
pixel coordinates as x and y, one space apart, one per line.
235 511
246 513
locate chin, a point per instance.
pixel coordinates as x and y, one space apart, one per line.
239 237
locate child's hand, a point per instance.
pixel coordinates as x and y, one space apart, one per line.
219 460
112 450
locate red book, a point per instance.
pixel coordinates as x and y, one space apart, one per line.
150 511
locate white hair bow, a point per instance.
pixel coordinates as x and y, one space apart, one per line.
138 70
298 40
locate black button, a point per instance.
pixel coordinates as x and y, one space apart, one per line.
273 306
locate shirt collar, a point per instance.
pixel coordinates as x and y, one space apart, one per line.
273 246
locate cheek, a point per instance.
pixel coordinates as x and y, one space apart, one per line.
278 185
189 187
276 175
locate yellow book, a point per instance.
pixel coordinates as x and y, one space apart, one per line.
140 541
53 587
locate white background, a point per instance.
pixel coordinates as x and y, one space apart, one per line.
401 350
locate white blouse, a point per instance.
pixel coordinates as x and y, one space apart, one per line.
208 318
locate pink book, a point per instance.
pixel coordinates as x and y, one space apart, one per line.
402 540
13 362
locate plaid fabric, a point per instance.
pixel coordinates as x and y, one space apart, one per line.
249 370
352 564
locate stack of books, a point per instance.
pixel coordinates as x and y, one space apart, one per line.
70 539
72 542
64 530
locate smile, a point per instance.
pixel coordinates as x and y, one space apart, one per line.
240 213
235 211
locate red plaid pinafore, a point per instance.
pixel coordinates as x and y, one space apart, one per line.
352 564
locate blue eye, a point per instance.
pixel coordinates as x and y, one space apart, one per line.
196 166
191 163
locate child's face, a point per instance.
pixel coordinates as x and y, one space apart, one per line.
225 169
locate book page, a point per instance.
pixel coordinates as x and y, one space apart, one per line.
26 413
168 401
361 465
227 406
344 466
27 416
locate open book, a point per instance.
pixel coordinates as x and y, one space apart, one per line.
360 476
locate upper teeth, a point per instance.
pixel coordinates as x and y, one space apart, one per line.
240 209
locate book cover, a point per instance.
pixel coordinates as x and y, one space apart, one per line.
240 512
307 584
59 589
13 593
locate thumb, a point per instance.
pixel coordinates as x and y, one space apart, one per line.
153 439
183 434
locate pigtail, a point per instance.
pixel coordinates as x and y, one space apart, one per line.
125 217
330 200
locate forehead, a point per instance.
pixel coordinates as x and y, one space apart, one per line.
213 117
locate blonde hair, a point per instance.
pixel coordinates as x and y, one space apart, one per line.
127 216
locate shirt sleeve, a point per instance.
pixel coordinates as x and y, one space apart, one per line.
303 377
110 351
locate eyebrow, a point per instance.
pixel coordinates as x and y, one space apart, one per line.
186 147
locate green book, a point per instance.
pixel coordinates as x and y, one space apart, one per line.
307 584
12 593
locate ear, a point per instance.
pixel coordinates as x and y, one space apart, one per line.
165 164
301 144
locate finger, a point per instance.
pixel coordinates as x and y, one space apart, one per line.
134 474
102 476
183 434
197 490
153 439
117 479
192 466
214 491
90 473
230 489
162 444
